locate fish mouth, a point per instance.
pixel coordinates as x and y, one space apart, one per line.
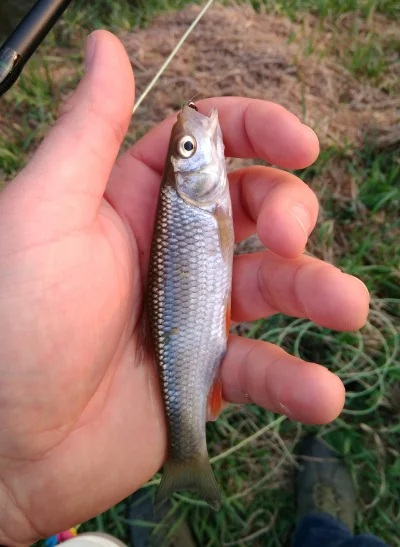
190 115
193 106
191 110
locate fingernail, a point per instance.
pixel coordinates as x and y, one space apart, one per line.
90 49
300 213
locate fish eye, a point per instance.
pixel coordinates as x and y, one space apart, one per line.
186 146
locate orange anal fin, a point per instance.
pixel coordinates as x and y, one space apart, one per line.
215 402
214 406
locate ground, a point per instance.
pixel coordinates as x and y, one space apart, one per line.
335 65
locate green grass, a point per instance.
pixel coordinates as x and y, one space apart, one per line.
357 229
330 8
119 14
367 227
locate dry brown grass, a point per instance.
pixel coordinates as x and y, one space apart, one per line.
236 51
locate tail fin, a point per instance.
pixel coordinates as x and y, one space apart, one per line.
192 475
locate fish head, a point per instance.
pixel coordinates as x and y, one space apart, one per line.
197 157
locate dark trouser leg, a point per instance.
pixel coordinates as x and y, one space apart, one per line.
322 530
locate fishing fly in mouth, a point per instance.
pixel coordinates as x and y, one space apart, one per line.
190 279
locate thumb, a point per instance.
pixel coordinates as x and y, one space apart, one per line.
77 156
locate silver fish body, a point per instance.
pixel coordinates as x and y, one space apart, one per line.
189 294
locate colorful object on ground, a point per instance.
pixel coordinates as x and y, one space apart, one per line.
52 541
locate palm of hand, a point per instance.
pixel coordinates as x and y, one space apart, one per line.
81 419
80 290
74 387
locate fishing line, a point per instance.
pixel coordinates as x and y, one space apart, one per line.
171 56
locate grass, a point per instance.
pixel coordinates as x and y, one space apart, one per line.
51 75
330 8
358 229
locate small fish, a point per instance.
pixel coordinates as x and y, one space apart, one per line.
190 281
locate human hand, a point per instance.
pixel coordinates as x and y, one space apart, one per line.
81 424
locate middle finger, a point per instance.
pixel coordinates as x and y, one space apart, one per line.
277 205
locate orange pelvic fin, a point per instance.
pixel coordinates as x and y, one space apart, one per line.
214 406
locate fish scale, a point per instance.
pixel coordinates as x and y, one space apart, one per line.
195 289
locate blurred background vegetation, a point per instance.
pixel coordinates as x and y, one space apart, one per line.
336 65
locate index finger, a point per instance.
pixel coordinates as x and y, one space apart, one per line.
251 128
